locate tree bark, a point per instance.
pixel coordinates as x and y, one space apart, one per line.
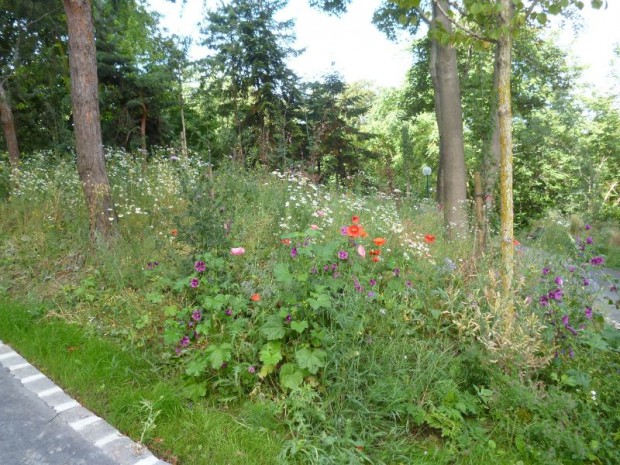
8 127
87 125
504 115
450 124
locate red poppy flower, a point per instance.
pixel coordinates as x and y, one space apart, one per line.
255 297
515 242
379 241
375 252
375 259
286 241
429 238
174 232
354 231
355 219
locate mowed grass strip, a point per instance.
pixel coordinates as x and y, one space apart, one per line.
116 384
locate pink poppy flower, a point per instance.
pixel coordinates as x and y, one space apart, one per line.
237 251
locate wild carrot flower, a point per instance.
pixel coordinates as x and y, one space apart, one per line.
200 266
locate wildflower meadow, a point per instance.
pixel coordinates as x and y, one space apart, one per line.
282 321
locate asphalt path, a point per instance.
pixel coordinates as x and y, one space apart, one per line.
41 425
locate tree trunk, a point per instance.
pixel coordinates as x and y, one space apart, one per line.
504 114
86 119
439 197
8 127
450 124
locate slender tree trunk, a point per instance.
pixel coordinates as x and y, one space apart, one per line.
450 122
183 130
505 168
439 194
8 127
86 119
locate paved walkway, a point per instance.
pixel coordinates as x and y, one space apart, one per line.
41 425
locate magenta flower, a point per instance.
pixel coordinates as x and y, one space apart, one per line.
200 266
571 269
545 271
185 341
588 227
252 369
586 282
196 315
294 252
344 231
544 300
228 312
237 251
588 313
589 240
361 251
342 255
194 283
396 272
373 282
559 281
597 260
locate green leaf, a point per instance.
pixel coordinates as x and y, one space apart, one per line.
196 367
290 376
219 354
273 328
271 353
171 311
299 326
321 300
154 297
173 333
541 18
282 274
311 360
204 327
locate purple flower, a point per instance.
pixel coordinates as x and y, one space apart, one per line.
344 231
544 300
565 320
336 274
597 260
228 312
571 353
589 240
357 285
288 318
371 294
588 227
373 282
196 315
194 283
343 255
252 369
559 281
396 272
571 269
408 284
588 313
613 288
557 294
334 266
326 268
185 341
586 282
545 271
294 252
200 266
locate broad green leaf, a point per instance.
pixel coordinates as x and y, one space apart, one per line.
321 300
271 354
290 376
171 311
299 326
219 354
311 360
204 327
154 297
282 274
273 328
196 367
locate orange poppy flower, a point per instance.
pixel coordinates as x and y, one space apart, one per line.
255 297
516 242
354 231
363 232
286 241
379 241
355 219
375 259
429 238
174 232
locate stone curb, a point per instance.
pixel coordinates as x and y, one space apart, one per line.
95 430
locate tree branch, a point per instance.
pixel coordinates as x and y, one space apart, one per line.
463 28
423 16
